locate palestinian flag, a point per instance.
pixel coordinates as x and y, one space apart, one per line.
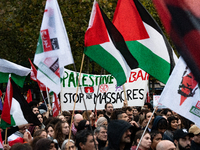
18 73
181 20
105 45
16 110
144 39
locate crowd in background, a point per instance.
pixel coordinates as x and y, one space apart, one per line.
127 128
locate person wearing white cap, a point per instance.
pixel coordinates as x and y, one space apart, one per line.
195 143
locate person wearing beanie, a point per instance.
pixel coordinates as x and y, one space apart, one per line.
120 135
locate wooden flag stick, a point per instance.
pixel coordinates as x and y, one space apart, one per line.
125 98
146 127
70 131
6 131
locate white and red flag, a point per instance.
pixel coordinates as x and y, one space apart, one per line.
53 49
34 77
181 93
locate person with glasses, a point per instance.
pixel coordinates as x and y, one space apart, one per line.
101 134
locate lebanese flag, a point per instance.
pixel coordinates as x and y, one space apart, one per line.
181 93
181 19
55 105
105 45
34 77
16 110
144 39
29 96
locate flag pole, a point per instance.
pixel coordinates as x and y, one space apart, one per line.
95 107
125 98
70 131
146 127
6 131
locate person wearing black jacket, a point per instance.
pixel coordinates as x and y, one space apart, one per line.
120 135
101 134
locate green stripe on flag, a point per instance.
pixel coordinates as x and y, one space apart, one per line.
19 80
5 125
99 54
147 59
39 46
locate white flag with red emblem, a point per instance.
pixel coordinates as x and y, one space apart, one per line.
181 93
53 49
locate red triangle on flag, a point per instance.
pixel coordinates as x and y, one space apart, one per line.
98 27
131 27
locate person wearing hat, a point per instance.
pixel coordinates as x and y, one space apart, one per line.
182 139
195 143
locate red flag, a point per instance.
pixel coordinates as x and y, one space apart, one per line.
148 98
181 19
34 77
7 103
29 96
1 93
56 105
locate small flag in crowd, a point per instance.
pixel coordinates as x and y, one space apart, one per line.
144 39
16 110
18 73
34 77
181 93
106 46
29 96
55 105
53 49
181 20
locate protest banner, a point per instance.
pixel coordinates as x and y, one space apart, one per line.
136 89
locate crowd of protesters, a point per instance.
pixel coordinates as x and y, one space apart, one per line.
127 128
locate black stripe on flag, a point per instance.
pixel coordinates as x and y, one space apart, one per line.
26 109
119 42
148 19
